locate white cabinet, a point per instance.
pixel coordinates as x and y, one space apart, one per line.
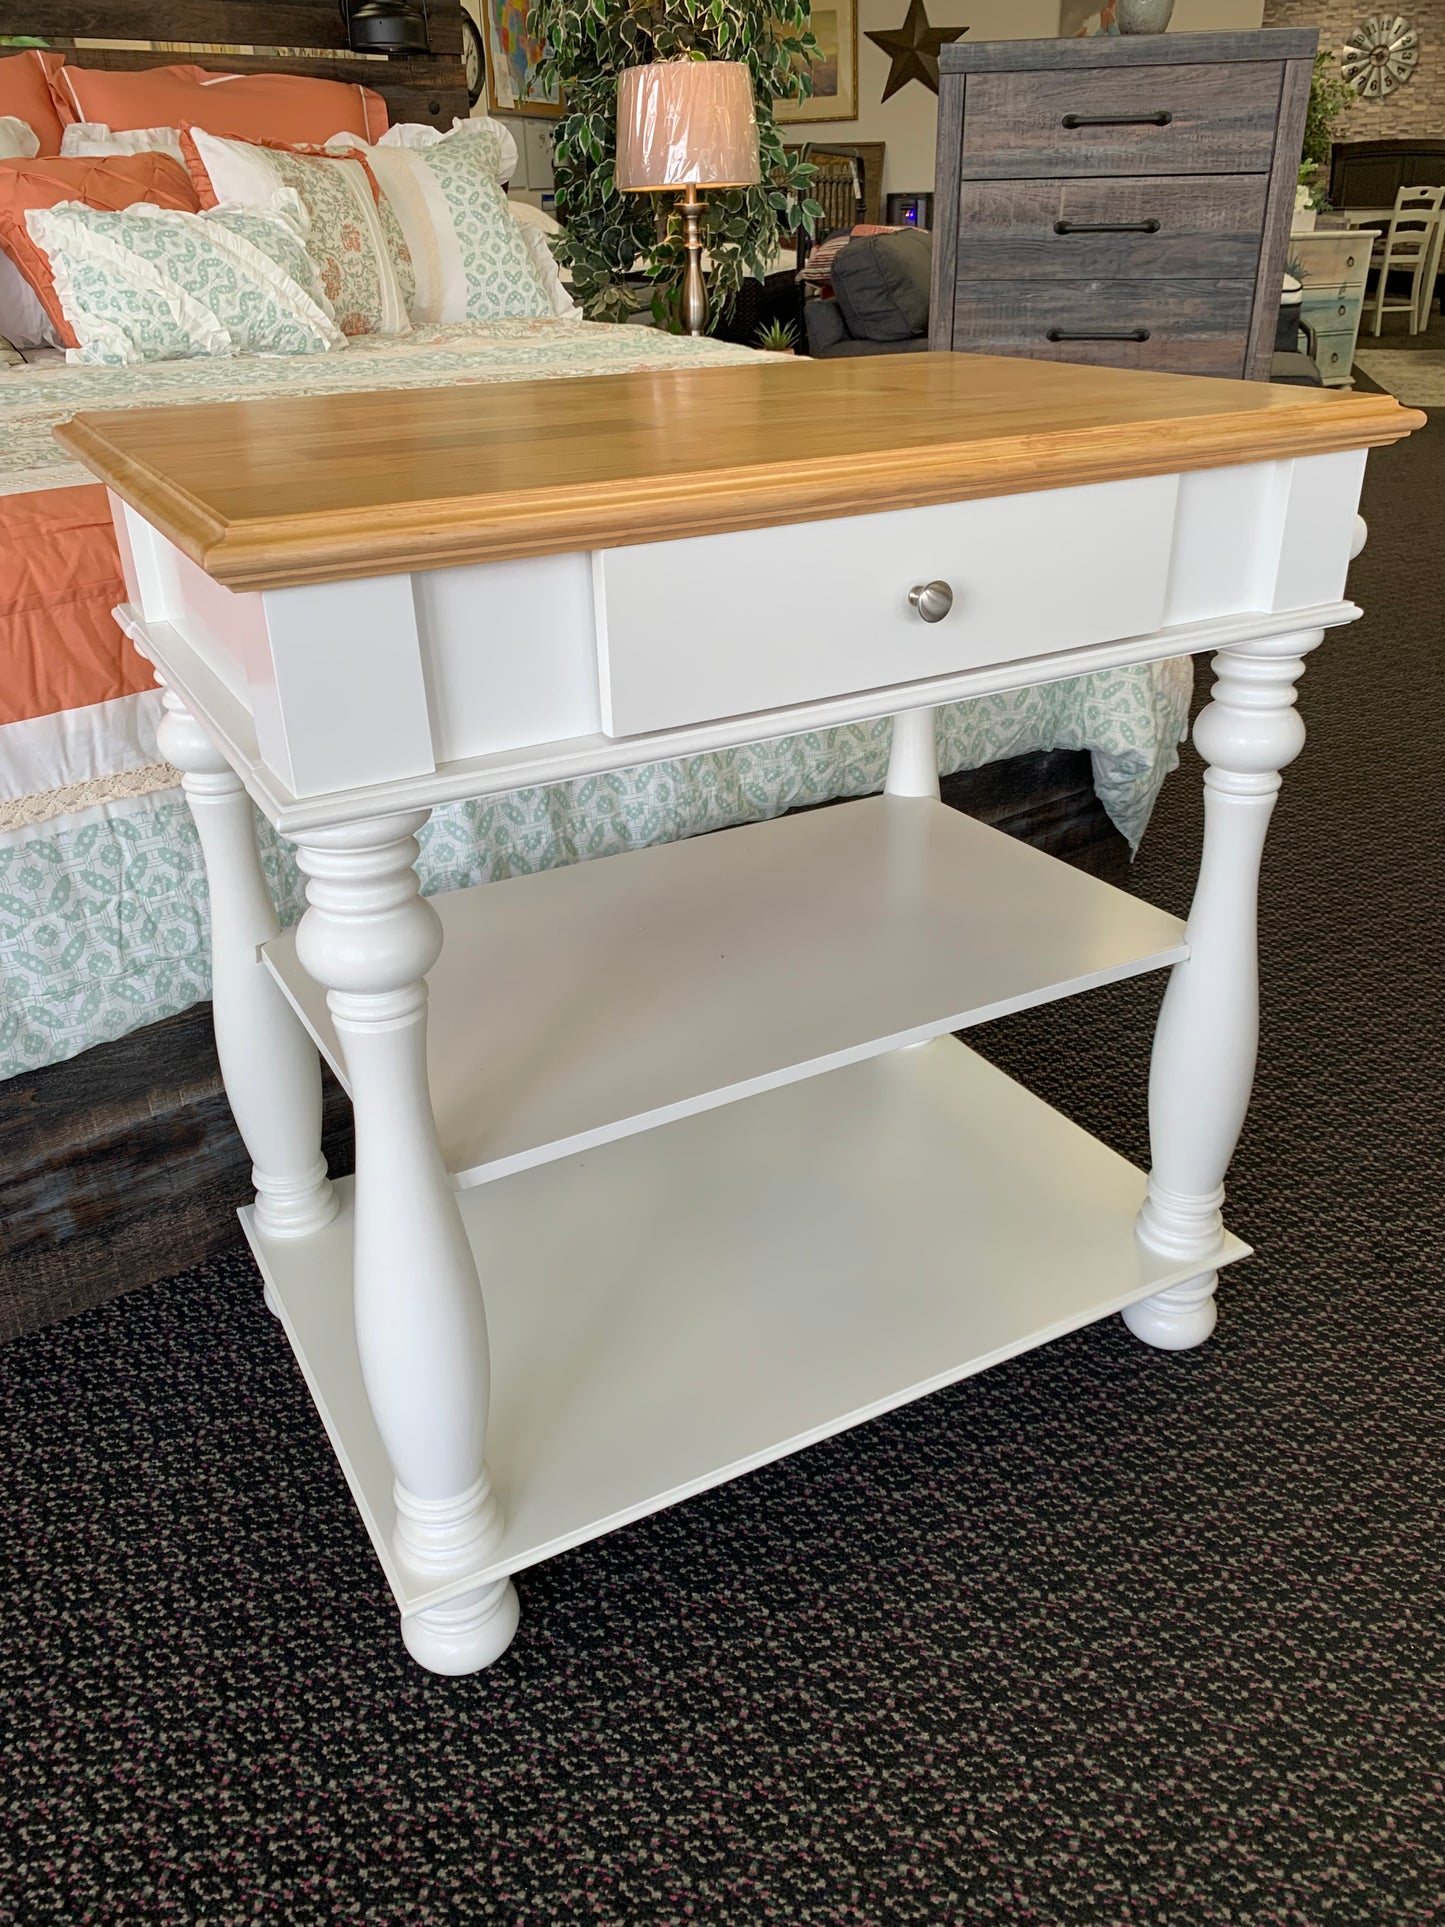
1333 268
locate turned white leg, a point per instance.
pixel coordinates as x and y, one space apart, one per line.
1205 1044
913 759
421 1330
270 1066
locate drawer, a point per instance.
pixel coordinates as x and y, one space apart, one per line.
1334 310
724 625
1185 327
1199 230
1129 120
1335 355
1330 261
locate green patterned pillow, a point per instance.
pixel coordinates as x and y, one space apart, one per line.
150 284
351 234
468 253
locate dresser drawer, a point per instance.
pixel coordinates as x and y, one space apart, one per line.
1196 230
723 625
1330 261
1335 309
1186 327
1128 120
1335 355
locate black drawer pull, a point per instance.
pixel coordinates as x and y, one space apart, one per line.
1107 227
1117 120
1097 334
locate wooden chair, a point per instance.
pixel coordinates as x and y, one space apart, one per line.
839 184
1412 245
1430 273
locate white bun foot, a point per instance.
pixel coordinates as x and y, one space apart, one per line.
1178 1319
466 1634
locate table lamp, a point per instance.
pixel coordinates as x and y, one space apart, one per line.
687 124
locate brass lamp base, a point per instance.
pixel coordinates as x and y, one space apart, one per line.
694 289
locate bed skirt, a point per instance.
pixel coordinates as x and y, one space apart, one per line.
122 1165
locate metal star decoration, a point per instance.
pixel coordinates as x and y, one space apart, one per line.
913 49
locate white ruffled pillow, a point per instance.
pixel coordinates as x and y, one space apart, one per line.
536 226
18 140
151 284
92 140
410 133
472 260
23 321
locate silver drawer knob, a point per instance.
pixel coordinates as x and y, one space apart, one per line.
932 600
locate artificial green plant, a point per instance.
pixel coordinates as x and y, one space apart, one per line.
606 234
1329 97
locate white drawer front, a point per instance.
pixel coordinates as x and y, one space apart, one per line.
724 625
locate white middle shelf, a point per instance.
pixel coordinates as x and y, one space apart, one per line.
582 1004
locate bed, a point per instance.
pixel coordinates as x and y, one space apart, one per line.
108 1097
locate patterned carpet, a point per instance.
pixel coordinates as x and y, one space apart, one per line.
1101 1636
1418 380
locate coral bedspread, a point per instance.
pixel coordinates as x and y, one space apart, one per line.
102 894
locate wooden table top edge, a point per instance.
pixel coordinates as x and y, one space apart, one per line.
264 551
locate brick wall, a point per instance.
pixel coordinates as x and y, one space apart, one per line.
1416 108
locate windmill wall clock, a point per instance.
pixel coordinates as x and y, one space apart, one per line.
1380 56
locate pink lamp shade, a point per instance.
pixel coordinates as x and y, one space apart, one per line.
686 123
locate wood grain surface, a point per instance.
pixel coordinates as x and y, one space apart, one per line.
268 494
1221 121
1207 229
427 87
228 23
1193 327
1289 136
1140 50
952 94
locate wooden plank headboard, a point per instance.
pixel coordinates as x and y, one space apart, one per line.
416 87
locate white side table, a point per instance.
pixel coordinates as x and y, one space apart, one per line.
668 1164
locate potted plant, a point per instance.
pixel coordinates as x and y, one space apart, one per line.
606 234
1329 97
777 338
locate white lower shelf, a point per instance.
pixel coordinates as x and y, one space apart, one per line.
676 1308
579 1005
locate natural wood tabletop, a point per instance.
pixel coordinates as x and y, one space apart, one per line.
269 494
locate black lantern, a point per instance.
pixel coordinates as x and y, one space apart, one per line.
385 26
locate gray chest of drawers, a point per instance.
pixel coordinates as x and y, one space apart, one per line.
1118 200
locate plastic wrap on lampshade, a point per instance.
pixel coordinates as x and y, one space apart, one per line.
686 122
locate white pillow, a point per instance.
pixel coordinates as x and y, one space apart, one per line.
18 141
472 260
91 140
346 233
22 319
415 134
536 226
153 284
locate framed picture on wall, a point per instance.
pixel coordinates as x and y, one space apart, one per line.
835 72
513 54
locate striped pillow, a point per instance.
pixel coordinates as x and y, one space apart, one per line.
472 261
351 232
